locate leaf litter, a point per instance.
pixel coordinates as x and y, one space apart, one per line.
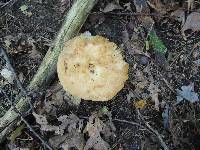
70 133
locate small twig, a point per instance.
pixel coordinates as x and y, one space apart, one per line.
132 123
167 83
127 14
10 2
164 145
27 124
194 47
177 57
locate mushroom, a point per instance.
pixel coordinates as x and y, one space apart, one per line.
92 68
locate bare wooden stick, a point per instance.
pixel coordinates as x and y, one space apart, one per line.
71 26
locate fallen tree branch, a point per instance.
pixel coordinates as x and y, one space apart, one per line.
71 26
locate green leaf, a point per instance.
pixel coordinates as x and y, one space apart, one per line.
156 43
23 8
104 109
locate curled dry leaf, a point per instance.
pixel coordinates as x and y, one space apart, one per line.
187 92
95 127
112 6
74 140
179 15
153 89
42 120
197 62
162 7
140 104
134 46
192 22
8 75
34 53
141 6
67 122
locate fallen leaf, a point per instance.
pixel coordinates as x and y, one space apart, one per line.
153 89
165 116
104 109
179 15
23 8
94 128
21 77
191 4
192 22
42 120
187 92
128 7
65 4
141 6
74 140
140 104
67 122
7 43
8 75
55 141
134 46
197 62
34 53
162 7
111 6
129 96
71 121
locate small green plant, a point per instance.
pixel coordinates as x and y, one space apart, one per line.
156 43
24 10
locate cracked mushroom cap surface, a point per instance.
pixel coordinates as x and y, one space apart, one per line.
92 68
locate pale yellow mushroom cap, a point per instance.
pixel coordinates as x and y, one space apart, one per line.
92 68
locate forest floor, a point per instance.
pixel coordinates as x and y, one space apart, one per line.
159 104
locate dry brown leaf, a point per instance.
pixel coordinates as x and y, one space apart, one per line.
67 122
153 89
140 104
95 128
128 7
42 120
34 53
161 7
133 45
147 22
191 4
74 140
111 6
192 22
179 15
141 6
55 141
